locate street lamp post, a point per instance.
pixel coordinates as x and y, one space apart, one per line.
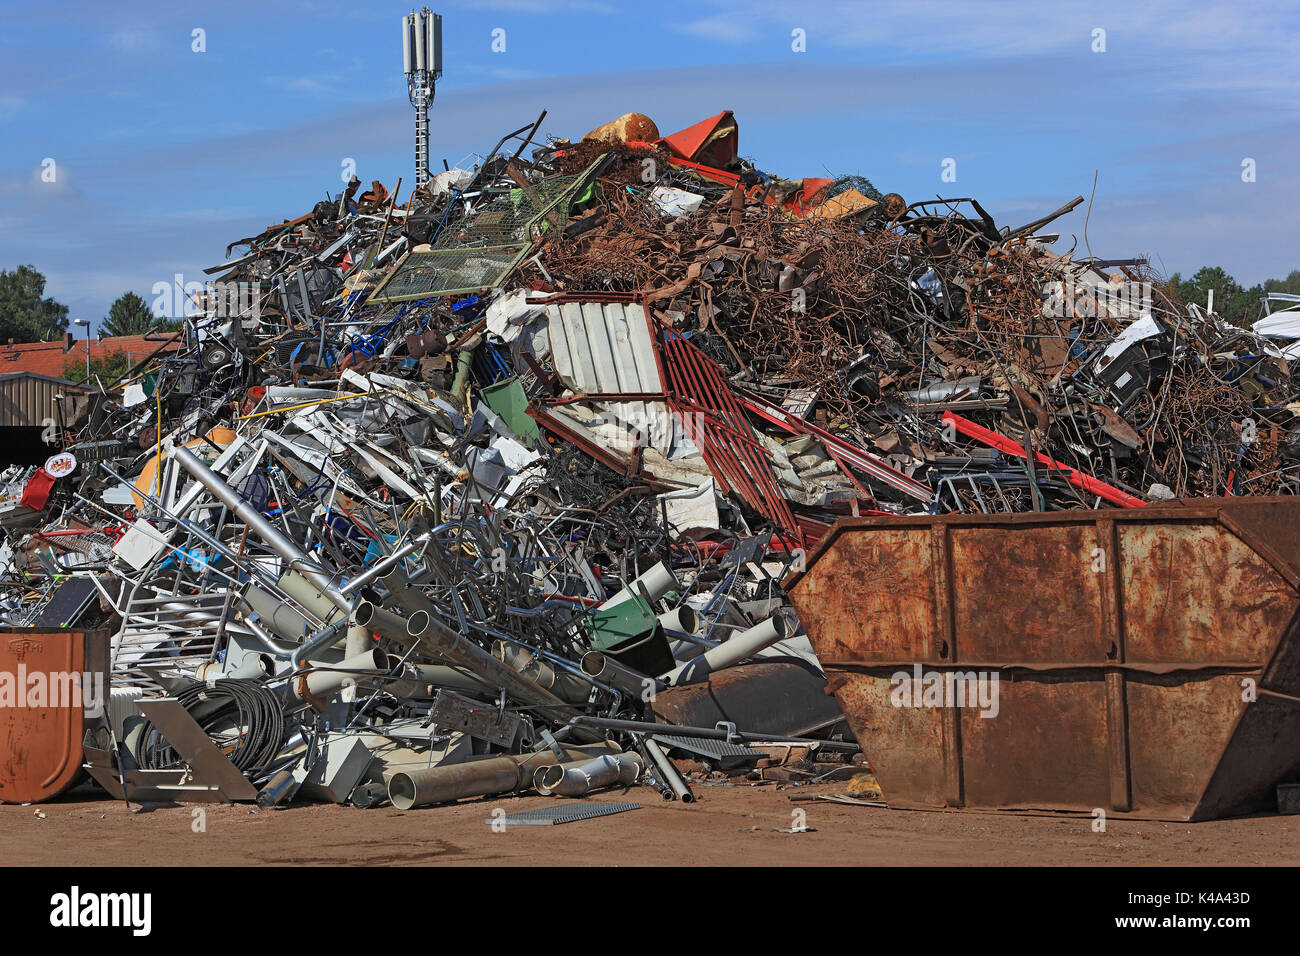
85 323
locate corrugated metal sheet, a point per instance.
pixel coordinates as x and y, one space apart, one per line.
603 348
29 399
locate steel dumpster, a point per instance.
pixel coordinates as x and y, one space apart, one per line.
1139 661
51 682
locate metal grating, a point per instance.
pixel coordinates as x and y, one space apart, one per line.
722 752
564 813
177 631
509 218
479 249
450 272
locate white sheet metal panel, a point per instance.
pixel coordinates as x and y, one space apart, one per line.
603 347
606 347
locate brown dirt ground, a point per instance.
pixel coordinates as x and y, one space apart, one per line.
729 825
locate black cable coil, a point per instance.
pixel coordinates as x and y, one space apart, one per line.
256 711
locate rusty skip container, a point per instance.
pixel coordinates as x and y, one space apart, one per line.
44 711
1140 661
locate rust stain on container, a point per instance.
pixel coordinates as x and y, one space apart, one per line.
41 734
1142 661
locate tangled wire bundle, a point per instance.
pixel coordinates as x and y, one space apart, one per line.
250 707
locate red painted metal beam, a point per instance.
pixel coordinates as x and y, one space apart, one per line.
1010 447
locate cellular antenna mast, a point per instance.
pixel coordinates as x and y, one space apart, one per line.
422 64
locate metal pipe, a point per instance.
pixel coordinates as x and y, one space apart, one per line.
657 581
731 651
668 773
385 565
325 637
372 617
317 685
568 687
277 650
464 360
711 733
438 640
407 595
477 778
358 641
253 667
439 675
278 616
368 795
442 784
681 618
308 596
279 789
600 666
278 543
580 777
189 612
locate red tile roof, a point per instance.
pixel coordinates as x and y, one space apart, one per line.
49 358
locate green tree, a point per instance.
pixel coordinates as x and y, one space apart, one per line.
1231 300
1290 284
129 315
109 368
25 315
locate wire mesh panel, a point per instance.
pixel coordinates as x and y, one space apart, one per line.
450 272
479 249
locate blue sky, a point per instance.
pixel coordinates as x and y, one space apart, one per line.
164 155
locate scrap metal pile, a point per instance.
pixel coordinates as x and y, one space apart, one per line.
493 490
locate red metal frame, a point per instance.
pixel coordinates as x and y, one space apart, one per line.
1075 477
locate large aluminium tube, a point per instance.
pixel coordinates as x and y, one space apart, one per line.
441 784
438 640
657 581
581 777
280 617
527 661
679 627
317 685
413 677
308 596
372 617
405 594
680 618
358 641
253 667
731 651
477 778
601 667
273 537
